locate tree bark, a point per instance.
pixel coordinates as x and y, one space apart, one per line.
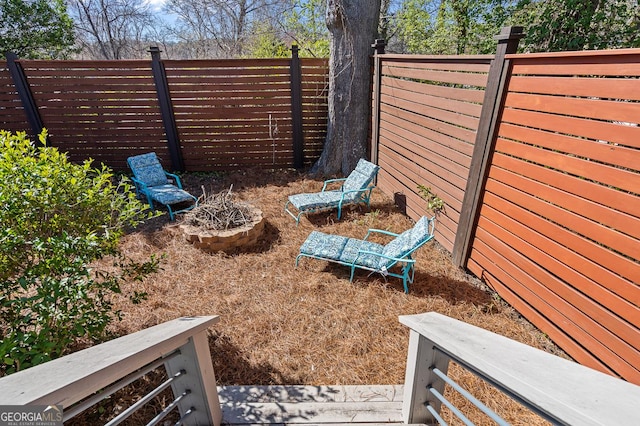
353 27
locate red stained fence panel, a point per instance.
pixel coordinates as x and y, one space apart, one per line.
559 229
429 114
556 230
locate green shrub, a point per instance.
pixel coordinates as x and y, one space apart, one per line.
57 219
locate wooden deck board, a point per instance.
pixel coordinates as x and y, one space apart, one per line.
326 405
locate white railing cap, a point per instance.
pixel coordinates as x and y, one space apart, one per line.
570 392
68 379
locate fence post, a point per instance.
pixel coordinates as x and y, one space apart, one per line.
166 109
296 108
508 40
28 103
379 46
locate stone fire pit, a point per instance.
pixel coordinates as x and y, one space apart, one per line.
243 222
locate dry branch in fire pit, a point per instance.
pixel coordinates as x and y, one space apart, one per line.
219 212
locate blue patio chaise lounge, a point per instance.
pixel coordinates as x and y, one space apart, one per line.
363 254
152 182
356 188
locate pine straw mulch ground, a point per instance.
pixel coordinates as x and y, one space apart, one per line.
307 325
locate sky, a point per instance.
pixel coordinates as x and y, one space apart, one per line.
157 8
157 4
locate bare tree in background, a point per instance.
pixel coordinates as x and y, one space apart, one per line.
112 29
220 28
353 26
385 15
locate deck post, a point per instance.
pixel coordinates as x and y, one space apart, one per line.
379 46
166 110
499 70
199 382
419 378
296 108
28 102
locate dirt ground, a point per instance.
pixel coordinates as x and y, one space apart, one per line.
307 325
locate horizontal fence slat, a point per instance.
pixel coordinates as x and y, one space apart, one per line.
461 65
577 107
606 88
620 278
453 77
461 108
537 307
564 225
410 203
432 160
610 238
62 76
424 175
414 176
615 155
430 124
452 149
627 64
621 179
470 96
516 296
617 200
196 64
457 120
595 212
613 133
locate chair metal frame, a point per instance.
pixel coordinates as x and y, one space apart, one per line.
363 197
407 274
144 189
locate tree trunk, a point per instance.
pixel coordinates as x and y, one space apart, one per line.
353 26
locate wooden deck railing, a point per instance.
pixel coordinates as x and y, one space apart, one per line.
559 390
74 380
556 389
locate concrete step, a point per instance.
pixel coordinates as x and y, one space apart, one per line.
309 405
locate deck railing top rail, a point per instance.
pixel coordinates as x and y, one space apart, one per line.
180 344
557 389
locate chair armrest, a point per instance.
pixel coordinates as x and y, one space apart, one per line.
379 231
324 187
343 193
396 259
357 190
174 177
138 183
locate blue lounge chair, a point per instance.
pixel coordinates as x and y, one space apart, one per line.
363 254
355 189
151 181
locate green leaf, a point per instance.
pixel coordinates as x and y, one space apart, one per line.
36 28
57 219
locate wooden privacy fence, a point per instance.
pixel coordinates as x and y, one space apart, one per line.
558 229
197 115
537 157
426 130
